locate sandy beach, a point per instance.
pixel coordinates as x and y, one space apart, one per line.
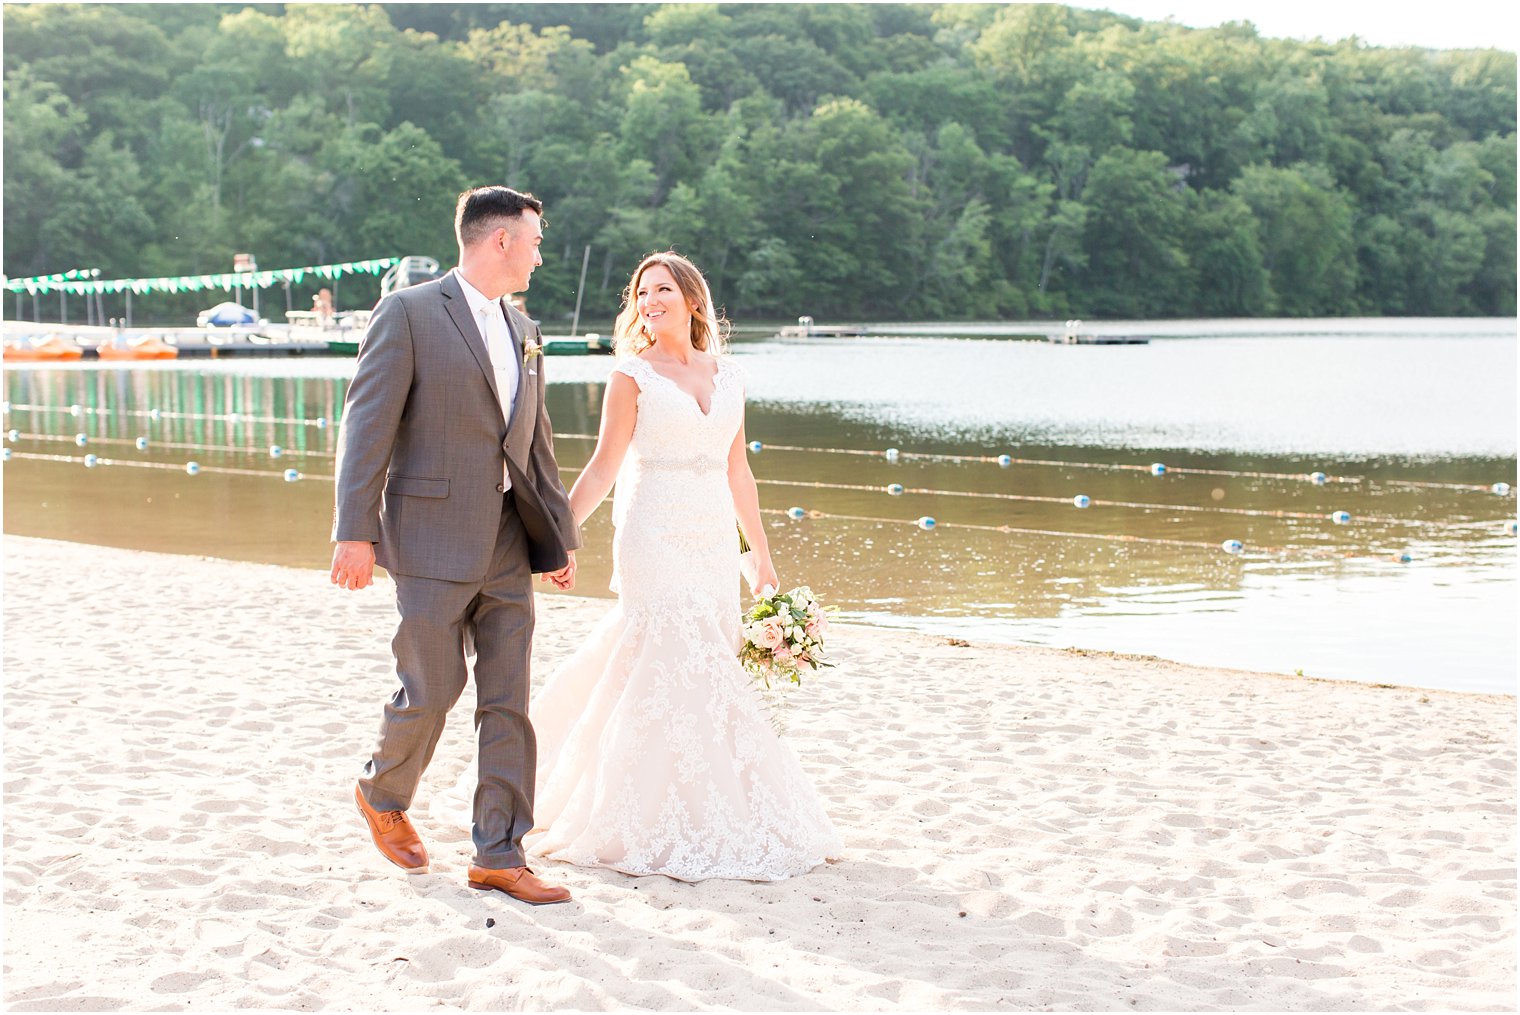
1024 828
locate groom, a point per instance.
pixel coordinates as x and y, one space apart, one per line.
446 478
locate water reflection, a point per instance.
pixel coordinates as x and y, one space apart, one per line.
1332 600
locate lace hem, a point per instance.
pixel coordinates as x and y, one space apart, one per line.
656 758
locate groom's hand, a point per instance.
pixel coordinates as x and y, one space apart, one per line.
353 565
564 578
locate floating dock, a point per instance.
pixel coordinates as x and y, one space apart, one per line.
76 342
805 328
577 345
1070 339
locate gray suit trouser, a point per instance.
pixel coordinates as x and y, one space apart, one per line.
441 622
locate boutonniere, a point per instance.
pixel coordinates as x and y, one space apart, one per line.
531 349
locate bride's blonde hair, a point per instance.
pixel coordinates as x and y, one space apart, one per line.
709 329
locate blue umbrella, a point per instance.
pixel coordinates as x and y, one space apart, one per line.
226 314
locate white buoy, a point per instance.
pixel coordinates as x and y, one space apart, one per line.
1340 517
7 454
13 435
90 461
155 414
81 439
291 475
795 512
1158 469
192 468
321 422
233 419
1318 478
1081 500
7 407
1005 460
1232 546
275 451
756 447
891 454
141 443
1500 489
895 489
926 523
75 409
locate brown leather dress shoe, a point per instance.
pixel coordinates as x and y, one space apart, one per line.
394 836
518 882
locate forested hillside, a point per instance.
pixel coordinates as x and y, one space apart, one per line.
870 161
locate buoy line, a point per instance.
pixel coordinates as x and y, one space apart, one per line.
1084 501
320 422
191 468
1230 546
888 454
1102 536
144 443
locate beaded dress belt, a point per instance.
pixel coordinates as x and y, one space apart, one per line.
682 464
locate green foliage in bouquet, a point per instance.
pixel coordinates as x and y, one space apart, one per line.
782 634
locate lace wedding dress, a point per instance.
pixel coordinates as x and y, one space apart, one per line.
655 754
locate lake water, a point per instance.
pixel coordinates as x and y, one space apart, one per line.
1413 422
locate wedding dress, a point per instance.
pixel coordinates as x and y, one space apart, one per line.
655 753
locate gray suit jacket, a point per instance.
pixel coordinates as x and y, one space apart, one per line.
420 450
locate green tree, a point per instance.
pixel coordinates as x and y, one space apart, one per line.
1227 273
1136 262
1307 239
663 123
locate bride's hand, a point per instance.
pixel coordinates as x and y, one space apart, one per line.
765 574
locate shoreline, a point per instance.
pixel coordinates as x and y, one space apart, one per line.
891 625
1024 827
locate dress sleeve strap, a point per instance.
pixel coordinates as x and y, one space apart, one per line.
633 367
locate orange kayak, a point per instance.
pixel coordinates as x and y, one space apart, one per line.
50 348
144 348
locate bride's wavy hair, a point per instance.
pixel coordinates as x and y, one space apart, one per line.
709 328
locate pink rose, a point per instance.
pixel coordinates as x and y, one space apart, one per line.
814 628
770 633
782 654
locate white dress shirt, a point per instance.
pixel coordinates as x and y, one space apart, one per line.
491 318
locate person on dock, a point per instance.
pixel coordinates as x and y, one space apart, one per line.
446 477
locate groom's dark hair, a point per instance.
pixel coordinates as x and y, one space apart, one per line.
481 210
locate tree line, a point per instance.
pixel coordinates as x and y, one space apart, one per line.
892 161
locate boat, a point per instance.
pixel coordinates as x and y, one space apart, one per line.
144 348
49 349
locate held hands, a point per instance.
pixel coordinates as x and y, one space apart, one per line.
564 578
353 565
765 577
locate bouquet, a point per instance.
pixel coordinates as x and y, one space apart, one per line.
783 632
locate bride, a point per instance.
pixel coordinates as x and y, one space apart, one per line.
655 755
